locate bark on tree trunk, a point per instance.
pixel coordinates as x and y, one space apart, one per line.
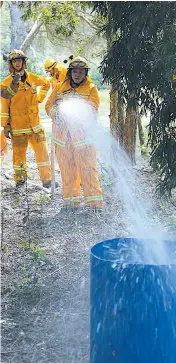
113 111
121 120
130 132
140 131
116 107
33 32
113 96
117 116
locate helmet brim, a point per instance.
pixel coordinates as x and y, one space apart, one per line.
78 67
23 58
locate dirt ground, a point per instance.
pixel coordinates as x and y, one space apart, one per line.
45 287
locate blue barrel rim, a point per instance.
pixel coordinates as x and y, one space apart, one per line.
118 263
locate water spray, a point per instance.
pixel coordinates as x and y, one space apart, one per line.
133 280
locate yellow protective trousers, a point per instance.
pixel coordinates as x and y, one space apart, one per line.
3 143
38 143
78 165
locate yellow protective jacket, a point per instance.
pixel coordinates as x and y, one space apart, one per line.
59 74
88 91
8 91
22 111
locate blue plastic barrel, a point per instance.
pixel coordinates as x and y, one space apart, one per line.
133 303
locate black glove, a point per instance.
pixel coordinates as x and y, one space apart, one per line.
7 131
16 78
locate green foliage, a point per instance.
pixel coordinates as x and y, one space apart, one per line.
34 258
64 14
16 202
4 248
42 198
20 173
68 28
35 67
97 78
140 64
144 151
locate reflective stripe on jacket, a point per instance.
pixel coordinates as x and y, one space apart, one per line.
8 91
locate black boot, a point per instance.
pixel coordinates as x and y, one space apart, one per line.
20 183
94 209
47 184
69 209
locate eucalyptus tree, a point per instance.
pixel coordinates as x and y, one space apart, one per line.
140 64
64 22
54 30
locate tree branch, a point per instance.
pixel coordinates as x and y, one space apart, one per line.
27 41
88 22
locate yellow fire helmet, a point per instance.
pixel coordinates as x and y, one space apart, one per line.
78 62
16 54
49 64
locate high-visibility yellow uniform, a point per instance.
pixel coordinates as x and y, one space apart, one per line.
59 74
3 146
6 92
22 113
76 156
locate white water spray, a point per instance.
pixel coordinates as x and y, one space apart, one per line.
77 114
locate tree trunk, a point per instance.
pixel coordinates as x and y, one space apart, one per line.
19 27
117 116
113 111
140 132
121 120
130 132
116 105
22 32
29 38
113 95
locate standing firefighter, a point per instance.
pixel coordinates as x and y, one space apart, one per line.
21 122
8 92
75 155
56 70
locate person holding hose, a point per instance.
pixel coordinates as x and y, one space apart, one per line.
21 122
75 155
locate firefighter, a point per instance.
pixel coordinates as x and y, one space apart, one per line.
56 70
21 122
8 92
76 156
